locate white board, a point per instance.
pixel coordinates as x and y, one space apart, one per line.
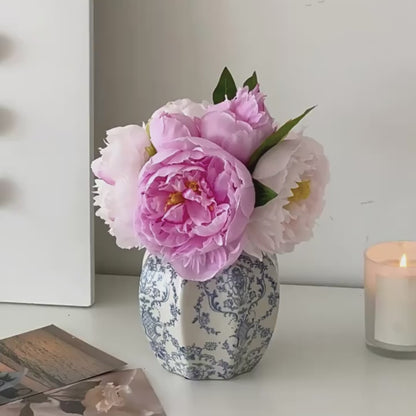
45 128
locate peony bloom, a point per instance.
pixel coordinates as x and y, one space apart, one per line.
117 170
183 106
166 127
195 203
105 397
121 394
298 171
239 125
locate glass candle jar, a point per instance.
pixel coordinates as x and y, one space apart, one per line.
390 297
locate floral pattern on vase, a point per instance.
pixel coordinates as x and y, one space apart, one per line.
215 329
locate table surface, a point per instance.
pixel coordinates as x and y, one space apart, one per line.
316 364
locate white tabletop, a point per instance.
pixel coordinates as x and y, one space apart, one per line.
316 364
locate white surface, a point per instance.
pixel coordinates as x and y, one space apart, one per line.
317 362
45 248
353 58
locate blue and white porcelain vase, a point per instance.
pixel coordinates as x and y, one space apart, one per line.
216 329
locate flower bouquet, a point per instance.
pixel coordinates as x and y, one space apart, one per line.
213 192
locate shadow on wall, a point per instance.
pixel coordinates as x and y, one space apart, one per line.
8 193
7 121
118 101
7 117
6 47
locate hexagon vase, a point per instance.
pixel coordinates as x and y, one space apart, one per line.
216 329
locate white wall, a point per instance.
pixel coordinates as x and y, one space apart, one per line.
45 247
354 58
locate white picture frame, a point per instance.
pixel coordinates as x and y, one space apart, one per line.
46 243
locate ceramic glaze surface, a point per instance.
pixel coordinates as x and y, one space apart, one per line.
210 330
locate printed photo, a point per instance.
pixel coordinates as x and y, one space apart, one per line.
45 359
122 393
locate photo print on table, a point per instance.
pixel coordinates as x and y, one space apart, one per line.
45 359
121 393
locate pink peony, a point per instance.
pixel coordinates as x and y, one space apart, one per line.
183 106
239 125
166 127
298 171
117 170
195 202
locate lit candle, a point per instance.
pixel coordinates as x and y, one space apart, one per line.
390 284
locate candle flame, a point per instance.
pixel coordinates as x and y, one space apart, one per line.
403 261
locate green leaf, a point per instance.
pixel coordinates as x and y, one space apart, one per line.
251 82
225 88
274 139
264 194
